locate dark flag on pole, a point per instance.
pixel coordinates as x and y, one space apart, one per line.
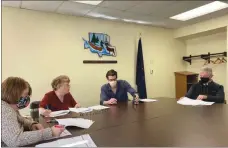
140 74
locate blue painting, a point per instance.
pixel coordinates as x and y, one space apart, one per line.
99 43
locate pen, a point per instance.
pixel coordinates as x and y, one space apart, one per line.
59 126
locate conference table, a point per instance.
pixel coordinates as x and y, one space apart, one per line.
163 123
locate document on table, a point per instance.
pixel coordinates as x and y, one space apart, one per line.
80 110
147 100
79 141
79 122
187 101
63 134
98 107
59 113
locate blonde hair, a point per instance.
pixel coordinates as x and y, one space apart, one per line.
12 89
56 83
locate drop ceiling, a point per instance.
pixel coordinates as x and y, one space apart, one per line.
155 13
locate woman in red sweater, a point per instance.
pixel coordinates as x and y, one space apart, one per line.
58 99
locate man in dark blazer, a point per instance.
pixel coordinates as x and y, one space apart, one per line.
206 89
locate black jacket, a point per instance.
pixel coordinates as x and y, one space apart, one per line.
213 91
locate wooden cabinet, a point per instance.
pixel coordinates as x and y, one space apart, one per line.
183 82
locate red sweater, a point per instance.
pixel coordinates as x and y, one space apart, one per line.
52 102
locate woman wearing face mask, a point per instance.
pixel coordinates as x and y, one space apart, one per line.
116 90
17 130
58 99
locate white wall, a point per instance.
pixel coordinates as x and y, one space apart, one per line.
39 46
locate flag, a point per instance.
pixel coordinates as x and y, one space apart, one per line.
140 74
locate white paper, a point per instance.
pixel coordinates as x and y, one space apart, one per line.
63 134
147 100
80 110
59 113
79 141
79 122
187 101
98 107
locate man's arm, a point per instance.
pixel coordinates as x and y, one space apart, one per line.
190 92
219 97
103 96
131 90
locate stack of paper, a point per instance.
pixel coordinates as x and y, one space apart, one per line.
187 101
98 107
79 141
59 113
80 110
147 100
79 122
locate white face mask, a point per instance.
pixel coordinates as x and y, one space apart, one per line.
113 83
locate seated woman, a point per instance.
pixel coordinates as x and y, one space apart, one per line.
17 130
58 99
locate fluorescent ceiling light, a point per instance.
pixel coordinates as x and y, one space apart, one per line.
136 21
143 22
89 2
127 20
202 10
102 16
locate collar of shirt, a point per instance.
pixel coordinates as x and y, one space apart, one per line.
117 86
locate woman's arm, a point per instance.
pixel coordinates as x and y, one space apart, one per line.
13 134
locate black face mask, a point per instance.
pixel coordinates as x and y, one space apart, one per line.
204 80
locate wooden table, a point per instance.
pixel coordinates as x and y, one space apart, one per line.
161 123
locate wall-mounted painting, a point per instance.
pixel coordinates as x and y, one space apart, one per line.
99 43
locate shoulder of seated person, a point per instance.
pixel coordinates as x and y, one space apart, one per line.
104 86
196 85
6 108
216 84
50 93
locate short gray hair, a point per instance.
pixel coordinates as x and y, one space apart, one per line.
208 70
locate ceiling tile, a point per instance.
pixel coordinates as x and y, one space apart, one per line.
74 8
147 7
41 5
177 8
126 15
11 3
106 11
120 5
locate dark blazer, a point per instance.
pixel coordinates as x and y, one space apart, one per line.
213 91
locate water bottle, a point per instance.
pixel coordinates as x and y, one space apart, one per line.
134 102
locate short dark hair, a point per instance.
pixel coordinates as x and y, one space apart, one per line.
111 72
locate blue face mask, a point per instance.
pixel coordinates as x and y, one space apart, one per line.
23 102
